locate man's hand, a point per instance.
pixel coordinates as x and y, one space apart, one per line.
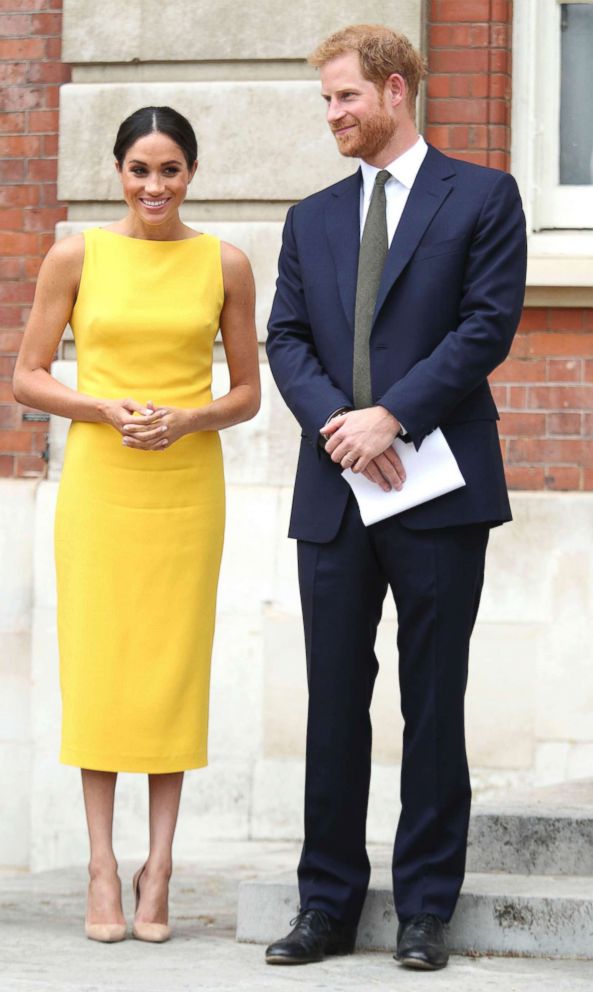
361 440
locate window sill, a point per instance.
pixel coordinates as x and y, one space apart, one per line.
560 269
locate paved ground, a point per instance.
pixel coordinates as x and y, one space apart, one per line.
43 948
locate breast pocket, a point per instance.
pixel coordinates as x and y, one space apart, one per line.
450 247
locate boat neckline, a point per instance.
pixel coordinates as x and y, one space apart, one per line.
150 241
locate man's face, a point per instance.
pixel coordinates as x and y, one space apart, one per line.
361 121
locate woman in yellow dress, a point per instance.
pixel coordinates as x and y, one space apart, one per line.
140 514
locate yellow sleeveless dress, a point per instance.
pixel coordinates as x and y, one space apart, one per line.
139 534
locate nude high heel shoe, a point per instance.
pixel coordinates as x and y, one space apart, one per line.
155 933
107 933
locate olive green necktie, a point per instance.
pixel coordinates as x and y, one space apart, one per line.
373 251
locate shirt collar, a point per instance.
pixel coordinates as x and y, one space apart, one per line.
405 168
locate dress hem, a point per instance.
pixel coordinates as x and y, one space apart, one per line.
142 765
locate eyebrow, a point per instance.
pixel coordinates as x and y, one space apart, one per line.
139 161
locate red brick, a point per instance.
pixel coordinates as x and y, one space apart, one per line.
459 136
499 160
499 86
10 268
22 49
560 344
524 476
587 424
42 219
563 423
438 86
29 466
11 123
16 292
6 466
43 121
17 243
46 240
522 424
15 441
440 35
17 98
39 441
566 319
549 450
54 47
14 5
32 266
19 196
52 94
498 112
517 397
45 24
42 169
500 36
11 220
6 365
10 317
12 25
478 85
498 136
564 370
477 136
500 10
50 145
458 111
460 10
10 341
561 398
588 371
9 417
520 370
48 72
12 170
478 158
534 319
456 60
563 477
500 60
588 319
588 479
6 393
19 146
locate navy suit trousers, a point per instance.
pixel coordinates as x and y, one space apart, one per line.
436 580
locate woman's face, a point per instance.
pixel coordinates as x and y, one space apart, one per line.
155 177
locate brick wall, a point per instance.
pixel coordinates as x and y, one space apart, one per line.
30 76
544 390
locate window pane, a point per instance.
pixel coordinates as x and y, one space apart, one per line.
576 95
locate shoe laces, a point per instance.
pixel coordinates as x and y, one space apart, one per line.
427 923
313 919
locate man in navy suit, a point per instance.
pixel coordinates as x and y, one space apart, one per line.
449 298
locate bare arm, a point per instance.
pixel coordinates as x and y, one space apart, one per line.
33 384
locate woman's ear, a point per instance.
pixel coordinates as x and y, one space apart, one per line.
193 171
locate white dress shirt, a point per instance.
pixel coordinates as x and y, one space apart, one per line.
397 189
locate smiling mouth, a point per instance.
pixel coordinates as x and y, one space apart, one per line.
343 130
154 204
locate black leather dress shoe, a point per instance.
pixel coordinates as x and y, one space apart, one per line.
421 943
315 934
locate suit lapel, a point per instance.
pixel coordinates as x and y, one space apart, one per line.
432 186
343 232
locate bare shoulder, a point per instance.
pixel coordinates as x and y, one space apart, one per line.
233 259
65 257
236 268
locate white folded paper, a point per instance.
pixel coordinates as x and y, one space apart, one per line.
430 472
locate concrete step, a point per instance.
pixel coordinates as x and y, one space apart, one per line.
533 915
546 831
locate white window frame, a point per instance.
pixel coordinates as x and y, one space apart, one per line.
559 218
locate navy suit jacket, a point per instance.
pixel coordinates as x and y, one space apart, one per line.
448 306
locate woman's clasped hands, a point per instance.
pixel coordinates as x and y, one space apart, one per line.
147 427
